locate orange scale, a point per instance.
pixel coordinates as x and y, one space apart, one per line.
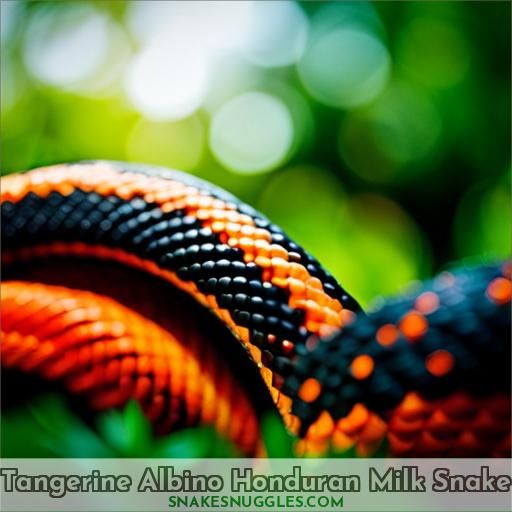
103 189
262 245
144 365
298 271
98 352
284 403
86 381
43 189
485 425
248 230
280 267
274 393
143 387
217 226
112 371
288 347
164 196
406 428
276 251
262 234
219 204
208 404
313 326
441 425
246 244
500 290
297 287
440 362
314 282
322 428
468 443
362 367
292 423
399 446
263 262
177 381
387 335
13 358
126 192
316 448
327 330
314 311
341 441
60 367
460 405
156 408
413 325
149 196
207 202
310 390
108 399
374 431
354 422
223 415
128 366
84 355
347 317
179 204
413 407
429 443
64 189
366 450
37 357
203 214
332 319
300 447
316 295
280 282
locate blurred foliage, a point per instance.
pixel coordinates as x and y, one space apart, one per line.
379 136
46 427
376 134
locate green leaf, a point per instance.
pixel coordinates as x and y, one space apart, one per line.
194 443
128 432
47 428
278 442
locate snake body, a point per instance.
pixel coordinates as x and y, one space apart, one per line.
427 372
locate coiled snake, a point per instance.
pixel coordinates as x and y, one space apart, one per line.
428 372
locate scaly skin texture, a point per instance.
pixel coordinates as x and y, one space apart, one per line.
429 371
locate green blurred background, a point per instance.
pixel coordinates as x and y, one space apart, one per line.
376 134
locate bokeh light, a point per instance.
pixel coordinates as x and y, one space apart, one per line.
165 81
252 133
346 64
181 41
277 34
66 49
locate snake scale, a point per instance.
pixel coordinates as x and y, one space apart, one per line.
101 256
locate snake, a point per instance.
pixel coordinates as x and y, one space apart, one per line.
129 282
